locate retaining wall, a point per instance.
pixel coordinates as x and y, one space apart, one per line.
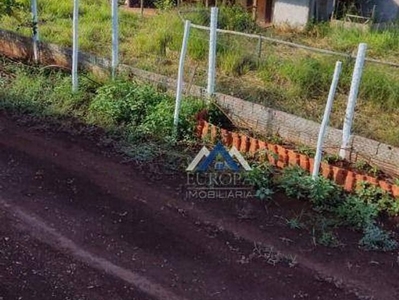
258 118
281 157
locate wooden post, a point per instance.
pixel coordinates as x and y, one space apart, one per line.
254 9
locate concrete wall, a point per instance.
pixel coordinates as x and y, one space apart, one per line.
249 115
291 12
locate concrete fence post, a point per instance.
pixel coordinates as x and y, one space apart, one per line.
179 88
75 49
115 37
353 93
326 118
35 31
212 52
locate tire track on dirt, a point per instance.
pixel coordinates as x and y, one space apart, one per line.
50 236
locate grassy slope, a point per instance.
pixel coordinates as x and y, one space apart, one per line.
293 80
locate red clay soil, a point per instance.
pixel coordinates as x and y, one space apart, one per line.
79 222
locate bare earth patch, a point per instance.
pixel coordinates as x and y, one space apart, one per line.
78 222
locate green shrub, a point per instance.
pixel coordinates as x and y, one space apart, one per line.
261 178
230 17
354 212
377 239
369 193
144 111
236 18
164 4
328 239
123 103
323 193
293 183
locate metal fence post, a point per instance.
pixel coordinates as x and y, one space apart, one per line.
326 117
354 90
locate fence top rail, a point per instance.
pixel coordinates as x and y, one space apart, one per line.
295 45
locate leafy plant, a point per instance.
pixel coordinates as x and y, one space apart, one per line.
236 18
293 184
275 139
306 150
295 223
328 239
323 193
323 231
372 194
376 238
261 178
264 193
389 205
164 4
123 102
354 212
231 17
331 158
365 167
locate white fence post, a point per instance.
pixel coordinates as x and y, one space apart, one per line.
326 117
35 31
115 38
212 52
354 90
75 50
180 74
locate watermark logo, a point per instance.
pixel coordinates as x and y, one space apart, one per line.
218 174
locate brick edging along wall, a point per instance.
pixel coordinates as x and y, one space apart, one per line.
287 157
257 117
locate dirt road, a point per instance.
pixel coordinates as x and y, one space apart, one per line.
78 222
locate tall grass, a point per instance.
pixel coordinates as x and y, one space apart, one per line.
136 109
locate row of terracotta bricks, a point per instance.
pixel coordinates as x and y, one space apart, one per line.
281 157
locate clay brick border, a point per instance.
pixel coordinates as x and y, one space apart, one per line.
287 157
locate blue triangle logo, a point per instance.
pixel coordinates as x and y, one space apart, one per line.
218 150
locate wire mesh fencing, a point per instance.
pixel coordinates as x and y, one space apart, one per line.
280 74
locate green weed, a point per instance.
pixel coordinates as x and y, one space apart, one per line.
354 212
377 239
